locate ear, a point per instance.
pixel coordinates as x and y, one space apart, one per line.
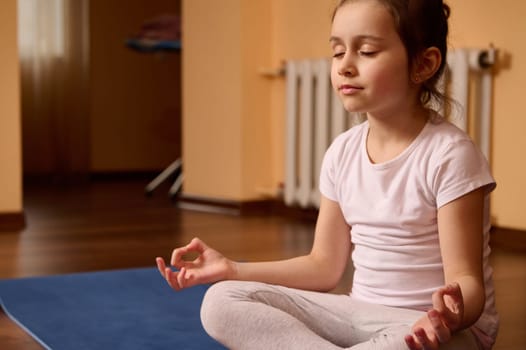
426 65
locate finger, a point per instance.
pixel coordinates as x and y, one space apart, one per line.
168 276
453 288
425 340
177 256
171 278
438 301
181 278
196 245
454 293
448 301
411 343
443 334
161 266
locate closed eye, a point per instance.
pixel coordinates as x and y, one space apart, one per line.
367 53
338 54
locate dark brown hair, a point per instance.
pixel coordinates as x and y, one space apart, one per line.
421 24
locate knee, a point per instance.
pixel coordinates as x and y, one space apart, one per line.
217 307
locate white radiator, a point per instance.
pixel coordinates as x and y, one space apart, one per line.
470 84
315 115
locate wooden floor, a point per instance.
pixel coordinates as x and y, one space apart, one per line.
111 225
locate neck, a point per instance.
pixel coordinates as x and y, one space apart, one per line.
390 135
402 126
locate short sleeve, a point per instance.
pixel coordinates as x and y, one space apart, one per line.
462 168
328 173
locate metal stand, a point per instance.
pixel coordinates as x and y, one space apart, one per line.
171 169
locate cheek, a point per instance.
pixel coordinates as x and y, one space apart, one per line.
334 77
389 78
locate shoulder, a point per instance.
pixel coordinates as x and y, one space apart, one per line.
444 142
457 164
446 132
443 137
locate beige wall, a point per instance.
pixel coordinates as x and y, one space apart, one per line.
477 23
226 129
300 30
10 149
215 117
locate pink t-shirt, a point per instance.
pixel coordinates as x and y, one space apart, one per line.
392 210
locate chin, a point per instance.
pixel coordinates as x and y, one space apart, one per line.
354 107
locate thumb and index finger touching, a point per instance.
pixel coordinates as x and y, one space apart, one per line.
177 257
454 307
454 293
195 245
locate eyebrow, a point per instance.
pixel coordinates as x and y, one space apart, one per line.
358 37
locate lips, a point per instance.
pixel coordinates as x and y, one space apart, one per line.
348 89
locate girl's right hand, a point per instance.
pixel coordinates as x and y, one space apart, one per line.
209 266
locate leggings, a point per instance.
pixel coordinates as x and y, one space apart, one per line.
253 315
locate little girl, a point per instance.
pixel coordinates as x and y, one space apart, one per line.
405 192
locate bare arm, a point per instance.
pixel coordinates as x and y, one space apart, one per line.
459 304
319 270
460 227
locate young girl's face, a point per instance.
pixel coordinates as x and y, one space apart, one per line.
370 65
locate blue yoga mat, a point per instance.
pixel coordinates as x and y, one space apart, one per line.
121 309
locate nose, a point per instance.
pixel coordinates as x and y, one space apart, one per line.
346 67
347 71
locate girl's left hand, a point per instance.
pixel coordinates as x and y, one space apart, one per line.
439 323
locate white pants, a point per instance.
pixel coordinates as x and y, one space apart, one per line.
251 316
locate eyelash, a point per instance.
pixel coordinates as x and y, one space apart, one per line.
367 53
361 53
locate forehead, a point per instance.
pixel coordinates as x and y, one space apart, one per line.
363 18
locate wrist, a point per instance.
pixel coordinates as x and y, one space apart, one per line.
233 270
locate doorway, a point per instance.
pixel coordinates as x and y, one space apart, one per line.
90 104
